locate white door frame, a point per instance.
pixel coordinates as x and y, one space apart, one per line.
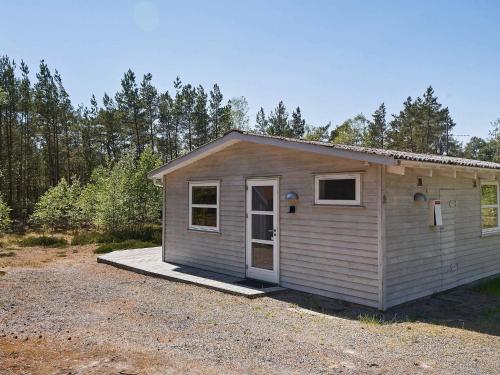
258 273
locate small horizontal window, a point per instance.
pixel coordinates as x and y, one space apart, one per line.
490 206
338 189
204 206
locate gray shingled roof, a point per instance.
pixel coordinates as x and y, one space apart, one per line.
398 155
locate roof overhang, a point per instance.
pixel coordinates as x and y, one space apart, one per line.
235 137
429 169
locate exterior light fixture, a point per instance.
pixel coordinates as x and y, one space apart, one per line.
292 199
419 197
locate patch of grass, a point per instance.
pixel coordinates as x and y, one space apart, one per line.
61 254
8 254
371 319
44 241
490 287
124 245
85 238
147 233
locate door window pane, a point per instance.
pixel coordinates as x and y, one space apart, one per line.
262 227
489 217
262 198
337 189
489 195
262 256
204 195
203 216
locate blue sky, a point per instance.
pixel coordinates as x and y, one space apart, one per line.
333 59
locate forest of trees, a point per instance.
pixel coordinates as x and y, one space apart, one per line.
46 141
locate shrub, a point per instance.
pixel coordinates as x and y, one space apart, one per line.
5 221
147 233
44 241
57 209
129 244
121 195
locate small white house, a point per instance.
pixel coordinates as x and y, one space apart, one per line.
375 227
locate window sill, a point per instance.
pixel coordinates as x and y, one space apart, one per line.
491 232
201 230
339 206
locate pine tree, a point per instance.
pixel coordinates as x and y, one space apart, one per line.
401 128
166 127
45 105
188 95
200 118
278 122
177 117
113 134
261 123
129 107
65 118
297 124
376 130
215 111
226 119
149 102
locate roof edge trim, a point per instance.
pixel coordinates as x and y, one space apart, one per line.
236 136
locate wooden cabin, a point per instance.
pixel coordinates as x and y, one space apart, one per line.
370 226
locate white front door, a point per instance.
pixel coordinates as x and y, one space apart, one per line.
262 205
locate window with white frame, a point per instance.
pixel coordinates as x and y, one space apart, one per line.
338 189
490 206
204 205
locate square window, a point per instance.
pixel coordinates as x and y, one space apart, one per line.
338 189
204 206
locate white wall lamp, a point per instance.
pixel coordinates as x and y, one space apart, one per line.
292 199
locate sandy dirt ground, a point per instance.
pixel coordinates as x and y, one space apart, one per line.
62 313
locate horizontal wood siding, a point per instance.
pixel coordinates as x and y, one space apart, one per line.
421 260
330 251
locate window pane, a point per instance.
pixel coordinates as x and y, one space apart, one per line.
262 256
262 227
344 189
204 195
262 198
490 217
489 194
204 216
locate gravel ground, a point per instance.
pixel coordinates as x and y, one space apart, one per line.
70 315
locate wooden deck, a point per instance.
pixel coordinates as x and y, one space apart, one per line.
148 262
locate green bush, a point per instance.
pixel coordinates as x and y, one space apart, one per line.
147 233
44 241
57 209
129 244
121 195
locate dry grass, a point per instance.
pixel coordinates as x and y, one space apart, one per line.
35 257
